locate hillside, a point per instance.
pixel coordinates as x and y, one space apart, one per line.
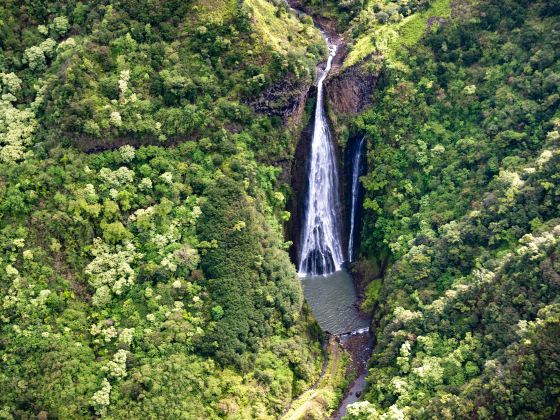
462 203
158 160
149 274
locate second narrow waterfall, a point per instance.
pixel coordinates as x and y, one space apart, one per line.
321 243
357 170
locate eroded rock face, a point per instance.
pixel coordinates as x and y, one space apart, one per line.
298 182
350 91
285 98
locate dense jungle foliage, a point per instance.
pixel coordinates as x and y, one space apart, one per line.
143 265
463 197
149 277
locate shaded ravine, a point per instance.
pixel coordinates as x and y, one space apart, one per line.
355 193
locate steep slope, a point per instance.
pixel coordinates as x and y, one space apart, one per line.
462 198
148 277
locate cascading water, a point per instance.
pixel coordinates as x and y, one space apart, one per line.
321 244
329 289
357 170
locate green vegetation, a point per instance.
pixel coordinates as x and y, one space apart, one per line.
393 28
143 264
381 27
463 194
149 275
372 295
284 35
104 298
323 398
111 74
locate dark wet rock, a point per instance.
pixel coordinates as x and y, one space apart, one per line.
364 272
298 183
352 146
359 347
285 98
349 91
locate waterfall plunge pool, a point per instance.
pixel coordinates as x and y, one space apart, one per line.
332 299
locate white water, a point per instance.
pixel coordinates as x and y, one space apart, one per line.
321 244
356 168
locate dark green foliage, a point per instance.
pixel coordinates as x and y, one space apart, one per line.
105 304
231 270
100 254
464 195
146 72
232 267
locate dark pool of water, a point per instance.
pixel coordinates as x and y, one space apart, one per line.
332 299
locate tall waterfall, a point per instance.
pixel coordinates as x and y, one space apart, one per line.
356 172
321 244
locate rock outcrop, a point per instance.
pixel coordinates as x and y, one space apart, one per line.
298 180
299 183
350 90
285 99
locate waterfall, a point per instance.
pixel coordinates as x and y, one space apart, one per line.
321 244
356 172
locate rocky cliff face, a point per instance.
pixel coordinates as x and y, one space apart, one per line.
298 177
285 98
349 91
298 182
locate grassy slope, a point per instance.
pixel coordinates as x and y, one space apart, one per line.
387 38
286 35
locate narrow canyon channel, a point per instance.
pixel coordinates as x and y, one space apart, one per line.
324 251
